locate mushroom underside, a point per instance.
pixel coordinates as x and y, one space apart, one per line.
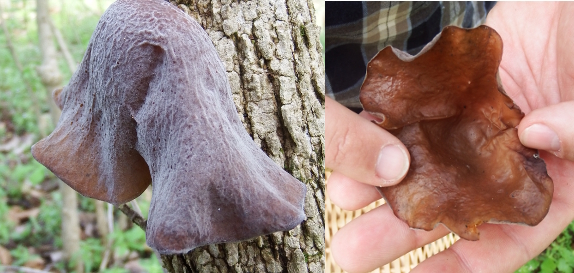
468 166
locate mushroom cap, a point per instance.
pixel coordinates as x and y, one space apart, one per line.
468 166
150 103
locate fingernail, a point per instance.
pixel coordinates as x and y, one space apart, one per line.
541 137
392 163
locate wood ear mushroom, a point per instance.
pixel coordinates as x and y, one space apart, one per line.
468 166
150 103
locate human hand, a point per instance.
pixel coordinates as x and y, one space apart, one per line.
537 72
361 156
354 151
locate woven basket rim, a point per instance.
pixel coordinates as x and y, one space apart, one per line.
335 218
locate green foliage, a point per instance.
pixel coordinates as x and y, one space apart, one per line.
86 203
133 239
33 171
115 270
17 105
529 266
23 233
13 90
21 255
50 220
43 229
144 206
91 253
151 264
126 241
6 227
558 257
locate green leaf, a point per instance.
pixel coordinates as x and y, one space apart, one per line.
91 251
117 270
135 238
564 267
151 264
21 255
548 266
20 172
38 175
567 255
23 234
121 250
4 170
50 217
530 266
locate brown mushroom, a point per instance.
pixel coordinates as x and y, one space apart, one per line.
150 103
468 166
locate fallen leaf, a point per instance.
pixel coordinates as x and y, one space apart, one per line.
35 262
17 215
5 257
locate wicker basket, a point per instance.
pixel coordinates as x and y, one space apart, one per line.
337 218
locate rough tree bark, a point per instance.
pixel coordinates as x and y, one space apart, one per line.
51 78
272 54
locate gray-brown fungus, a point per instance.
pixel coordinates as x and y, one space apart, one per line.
150 103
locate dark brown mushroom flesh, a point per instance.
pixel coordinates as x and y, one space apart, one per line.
468 166
150 103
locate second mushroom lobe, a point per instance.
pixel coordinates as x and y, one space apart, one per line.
468 166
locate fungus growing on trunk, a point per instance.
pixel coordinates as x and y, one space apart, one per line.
468 166
150 103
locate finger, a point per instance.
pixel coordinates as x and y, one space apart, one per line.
377 238
349 194
501 248
550 128
496 251
361 150
367 116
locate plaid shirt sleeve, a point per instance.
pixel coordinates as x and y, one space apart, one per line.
356 31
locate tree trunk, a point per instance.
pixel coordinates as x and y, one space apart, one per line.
272 55
51 78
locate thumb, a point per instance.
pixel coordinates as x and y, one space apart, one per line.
360 150
550 128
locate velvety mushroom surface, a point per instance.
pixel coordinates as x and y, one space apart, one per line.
468 166
150 103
